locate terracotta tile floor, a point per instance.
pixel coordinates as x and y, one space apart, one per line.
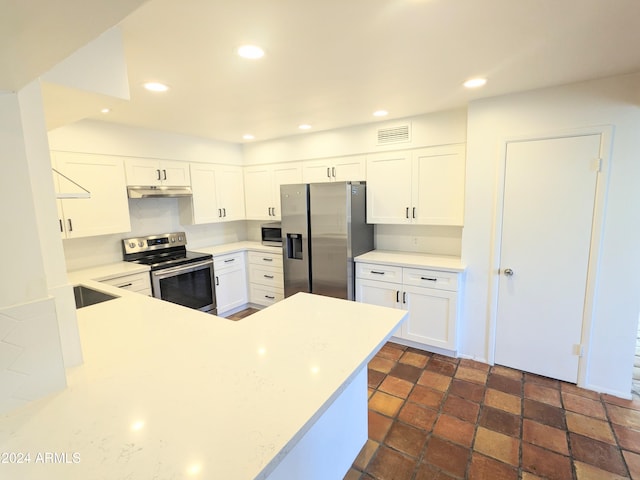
435 417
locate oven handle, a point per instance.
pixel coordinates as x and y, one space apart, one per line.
183 268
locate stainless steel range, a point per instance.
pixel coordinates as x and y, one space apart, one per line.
177 275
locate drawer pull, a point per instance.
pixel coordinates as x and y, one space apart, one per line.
270 297
268 276
230 260
375 272
268 259
125 285
429 279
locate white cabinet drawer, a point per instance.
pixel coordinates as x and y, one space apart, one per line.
137 282
270 276
385 273
259 258
229 260
264 295
431 279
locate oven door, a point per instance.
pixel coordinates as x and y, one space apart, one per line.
188 285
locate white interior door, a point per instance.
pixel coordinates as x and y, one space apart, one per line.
549 197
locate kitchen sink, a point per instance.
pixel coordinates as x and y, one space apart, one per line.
86 296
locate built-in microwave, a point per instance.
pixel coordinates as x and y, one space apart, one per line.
271 234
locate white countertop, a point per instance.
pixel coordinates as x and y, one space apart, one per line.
171 393
411 259
105 272
238 247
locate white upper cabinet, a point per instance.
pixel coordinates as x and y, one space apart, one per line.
423 186
107 209
389 187
218 195
262 188
335 169
148 172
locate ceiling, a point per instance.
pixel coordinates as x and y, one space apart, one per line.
332 63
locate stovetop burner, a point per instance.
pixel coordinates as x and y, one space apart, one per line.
160 251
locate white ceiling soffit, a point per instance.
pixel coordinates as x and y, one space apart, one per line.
37 34
332 63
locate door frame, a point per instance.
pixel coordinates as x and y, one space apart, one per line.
602 181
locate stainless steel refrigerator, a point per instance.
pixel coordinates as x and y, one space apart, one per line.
323 228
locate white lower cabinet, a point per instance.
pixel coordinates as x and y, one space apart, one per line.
135 282
230 278
266 279
430 297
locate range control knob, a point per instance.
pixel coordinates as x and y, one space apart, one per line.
132 244
173 239
141 243
179 239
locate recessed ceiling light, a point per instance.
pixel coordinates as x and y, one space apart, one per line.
380 113
304 126
475 82
156 87
105 110
250 51
248 136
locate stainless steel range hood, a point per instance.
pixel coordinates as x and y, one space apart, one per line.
158 191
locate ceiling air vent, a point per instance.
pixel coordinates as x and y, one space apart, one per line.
398 134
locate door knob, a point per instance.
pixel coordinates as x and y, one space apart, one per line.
508 272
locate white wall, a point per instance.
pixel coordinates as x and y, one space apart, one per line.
31 362
612 101
439 128
92 136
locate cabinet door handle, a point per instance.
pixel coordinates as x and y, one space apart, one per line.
414 212
268 276
328 174
268 259
224 212
404 297
230 260
125 285
70 225
165 174
219 213
407 213
217 280
333 172
397 296
61 227
429 279
375 272
159 177
270 297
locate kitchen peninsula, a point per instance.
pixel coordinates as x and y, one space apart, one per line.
166 392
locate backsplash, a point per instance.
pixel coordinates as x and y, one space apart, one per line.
148 216
436 240
161 215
